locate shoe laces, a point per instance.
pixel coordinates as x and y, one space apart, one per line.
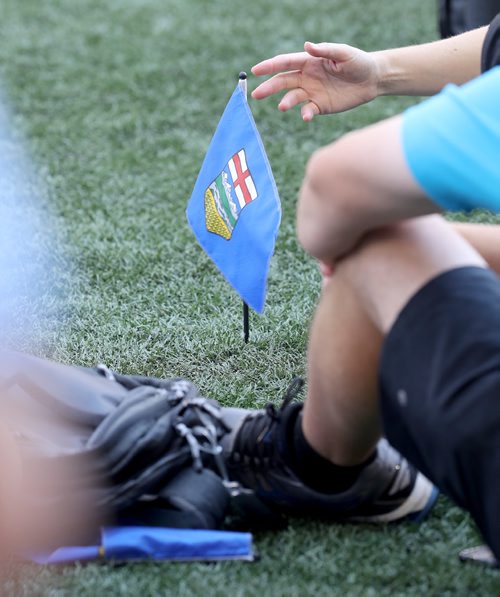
255 445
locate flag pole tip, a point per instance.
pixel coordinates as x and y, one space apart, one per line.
242 76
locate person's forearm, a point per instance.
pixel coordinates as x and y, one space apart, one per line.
425 69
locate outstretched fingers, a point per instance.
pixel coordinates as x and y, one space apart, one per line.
295 97
282 62
280 82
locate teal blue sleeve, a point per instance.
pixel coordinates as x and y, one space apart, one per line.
452 144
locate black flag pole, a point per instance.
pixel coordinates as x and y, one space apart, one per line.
246 322
246 311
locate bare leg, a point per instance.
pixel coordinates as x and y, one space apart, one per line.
485 238
341 417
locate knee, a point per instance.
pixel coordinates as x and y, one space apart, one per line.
331 174
326 210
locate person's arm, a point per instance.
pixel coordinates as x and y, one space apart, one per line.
329 78
485 238
425 69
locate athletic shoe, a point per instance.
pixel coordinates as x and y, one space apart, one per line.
388 489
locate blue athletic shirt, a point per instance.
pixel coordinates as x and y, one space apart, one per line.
452 140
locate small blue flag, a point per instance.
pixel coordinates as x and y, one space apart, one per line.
235 210
155 543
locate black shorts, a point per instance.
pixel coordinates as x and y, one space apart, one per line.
440 390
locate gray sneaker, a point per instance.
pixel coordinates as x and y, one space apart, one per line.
388 489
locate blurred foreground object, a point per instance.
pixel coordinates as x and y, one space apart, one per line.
41 496
27 244
31 511
89 446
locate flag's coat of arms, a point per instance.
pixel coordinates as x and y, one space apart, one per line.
234 210
228 194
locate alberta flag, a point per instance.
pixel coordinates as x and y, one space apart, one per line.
235 210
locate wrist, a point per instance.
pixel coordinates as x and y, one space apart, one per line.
389 78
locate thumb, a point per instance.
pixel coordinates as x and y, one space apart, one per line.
335 52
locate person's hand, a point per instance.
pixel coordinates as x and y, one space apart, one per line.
326 78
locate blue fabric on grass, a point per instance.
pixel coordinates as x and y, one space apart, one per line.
153 543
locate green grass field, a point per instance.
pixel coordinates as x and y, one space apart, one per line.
117 102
